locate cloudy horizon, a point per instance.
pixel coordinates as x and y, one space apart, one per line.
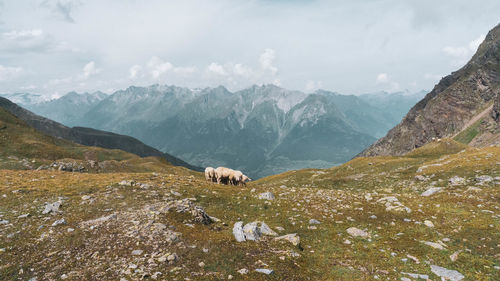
56 46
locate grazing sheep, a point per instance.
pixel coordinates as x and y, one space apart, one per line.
244 180
210 174
222 175
236 177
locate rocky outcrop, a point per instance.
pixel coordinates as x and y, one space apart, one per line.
447 110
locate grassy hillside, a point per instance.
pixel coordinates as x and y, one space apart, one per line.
25 148
149 230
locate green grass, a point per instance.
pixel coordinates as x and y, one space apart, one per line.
468 134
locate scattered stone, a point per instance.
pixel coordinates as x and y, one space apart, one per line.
356 232
421 178
473 189
86 197
454 256
292 238
59 222
373 217
243 271
416 275
23 216
127 183
172 258
434 245
267 196
201 264
392 204
428 223
71 229
4 222
431 191
266 230
252 231
456 180
238 232
314 221
446 274
52 207
187 206
96 222
347 242
484 179
137 252
265 271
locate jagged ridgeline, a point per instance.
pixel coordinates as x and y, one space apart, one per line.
464 105
261 130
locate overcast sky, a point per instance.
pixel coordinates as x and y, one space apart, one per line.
55 46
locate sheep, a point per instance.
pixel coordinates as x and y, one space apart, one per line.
222 175
236 177
230 176
244 180
210 174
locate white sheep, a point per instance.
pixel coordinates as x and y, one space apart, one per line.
210 174
244 180
236 177
222 175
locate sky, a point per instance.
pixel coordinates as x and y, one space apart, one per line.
52 47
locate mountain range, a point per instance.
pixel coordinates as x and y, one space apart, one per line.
261 130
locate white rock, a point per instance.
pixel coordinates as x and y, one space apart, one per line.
137 252
356 232
265 271
434 245
431 191
59 222
267 196
428 223
314 221
243 271
292 238
446 274
456 180
238 231
416 275
252 231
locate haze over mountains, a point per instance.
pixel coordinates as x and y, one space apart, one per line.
262 130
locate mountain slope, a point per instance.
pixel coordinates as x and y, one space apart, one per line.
88 136
261 130
448 108
69 107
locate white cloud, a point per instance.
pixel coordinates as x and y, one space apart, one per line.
461 54
134 71
266 60
8 73
185 70
382 78
217 69
385 80
158 66
312 86
90 69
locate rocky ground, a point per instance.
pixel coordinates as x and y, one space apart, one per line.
429 215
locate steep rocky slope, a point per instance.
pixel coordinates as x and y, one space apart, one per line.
448 109
88 136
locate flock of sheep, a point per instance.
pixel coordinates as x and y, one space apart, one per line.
226 176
